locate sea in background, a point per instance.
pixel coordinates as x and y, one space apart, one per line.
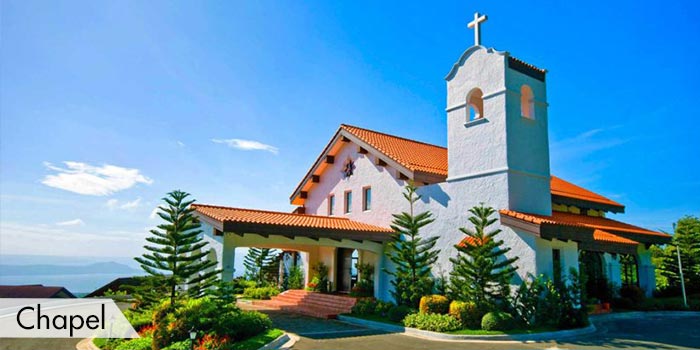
80 275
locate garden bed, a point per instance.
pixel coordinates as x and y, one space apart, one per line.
467 334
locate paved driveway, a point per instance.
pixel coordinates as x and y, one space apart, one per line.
658 332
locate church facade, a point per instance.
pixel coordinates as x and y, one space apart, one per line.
497 154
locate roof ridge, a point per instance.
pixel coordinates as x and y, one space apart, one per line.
394 136
268 211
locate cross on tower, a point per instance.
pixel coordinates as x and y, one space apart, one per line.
478 19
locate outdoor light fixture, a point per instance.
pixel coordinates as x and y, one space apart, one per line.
193 336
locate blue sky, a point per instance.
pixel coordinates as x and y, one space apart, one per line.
148 87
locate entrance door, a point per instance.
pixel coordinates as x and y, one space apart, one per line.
344 270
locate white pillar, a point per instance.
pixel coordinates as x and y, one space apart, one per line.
647 277
228 257
612 269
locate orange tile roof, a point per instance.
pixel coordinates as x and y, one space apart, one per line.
251 216
607 237
568 219
567 189
414 155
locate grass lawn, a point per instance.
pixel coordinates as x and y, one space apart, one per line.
259 340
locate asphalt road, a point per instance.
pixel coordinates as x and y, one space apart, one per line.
644 333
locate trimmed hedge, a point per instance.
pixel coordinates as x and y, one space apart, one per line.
497 321
261 292
434 304
467 313
432 322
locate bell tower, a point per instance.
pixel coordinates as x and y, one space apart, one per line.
497 128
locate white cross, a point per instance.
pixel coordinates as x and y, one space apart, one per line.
478 19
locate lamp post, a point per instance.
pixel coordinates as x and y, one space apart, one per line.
193 336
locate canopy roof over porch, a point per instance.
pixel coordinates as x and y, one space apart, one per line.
262 222
592 233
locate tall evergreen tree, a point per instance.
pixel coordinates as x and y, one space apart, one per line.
480 270
178 252
687 238
411 254
261 264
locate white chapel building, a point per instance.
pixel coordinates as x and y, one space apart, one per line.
497 153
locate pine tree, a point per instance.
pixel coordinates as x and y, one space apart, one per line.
178 252
411 254
687 238
481 270
261 263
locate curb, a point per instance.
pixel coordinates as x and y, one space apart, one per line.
284 341
555 335
637 314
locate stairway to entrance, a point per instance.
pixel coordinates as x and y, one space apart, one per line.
309 303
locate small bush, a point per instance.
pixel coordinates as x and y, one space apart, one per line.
180 345
364 307
382 308
497 321
136 344
633 293
261 293
244 325
398 313
295 279
138 319
434 304
362 289
467 313
432 322
240 284
622 303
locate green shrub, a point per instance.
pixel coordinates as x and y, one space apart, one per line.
362 289
364 306
432 322
240 284
295 279
497 321
143 343
138 319
180 345
398 313
243 325
382 308
632 292
261 293
467 313
434 304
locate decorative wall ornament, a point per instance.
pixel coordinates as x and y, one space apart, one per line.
348 168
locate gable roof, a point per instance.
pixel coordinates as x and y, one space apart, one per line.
425 162
34 291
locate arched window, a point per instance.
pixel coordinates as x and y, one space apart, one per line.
527 102
475 104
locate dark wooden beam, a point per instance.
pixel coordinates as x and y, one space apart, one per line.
402 176
345 139
381 162
303 194
288 236
218 233
315 178
264 235
362 151
330 159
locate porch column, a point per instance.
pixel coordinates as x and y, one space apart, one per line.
228 255
645 268
612 269
310 260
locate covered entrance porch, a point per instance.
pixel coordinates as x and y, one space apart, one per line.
338 243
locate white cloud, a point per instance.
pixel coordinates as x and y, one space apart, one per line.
247 145
75 222
113 203
92 180
180 143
